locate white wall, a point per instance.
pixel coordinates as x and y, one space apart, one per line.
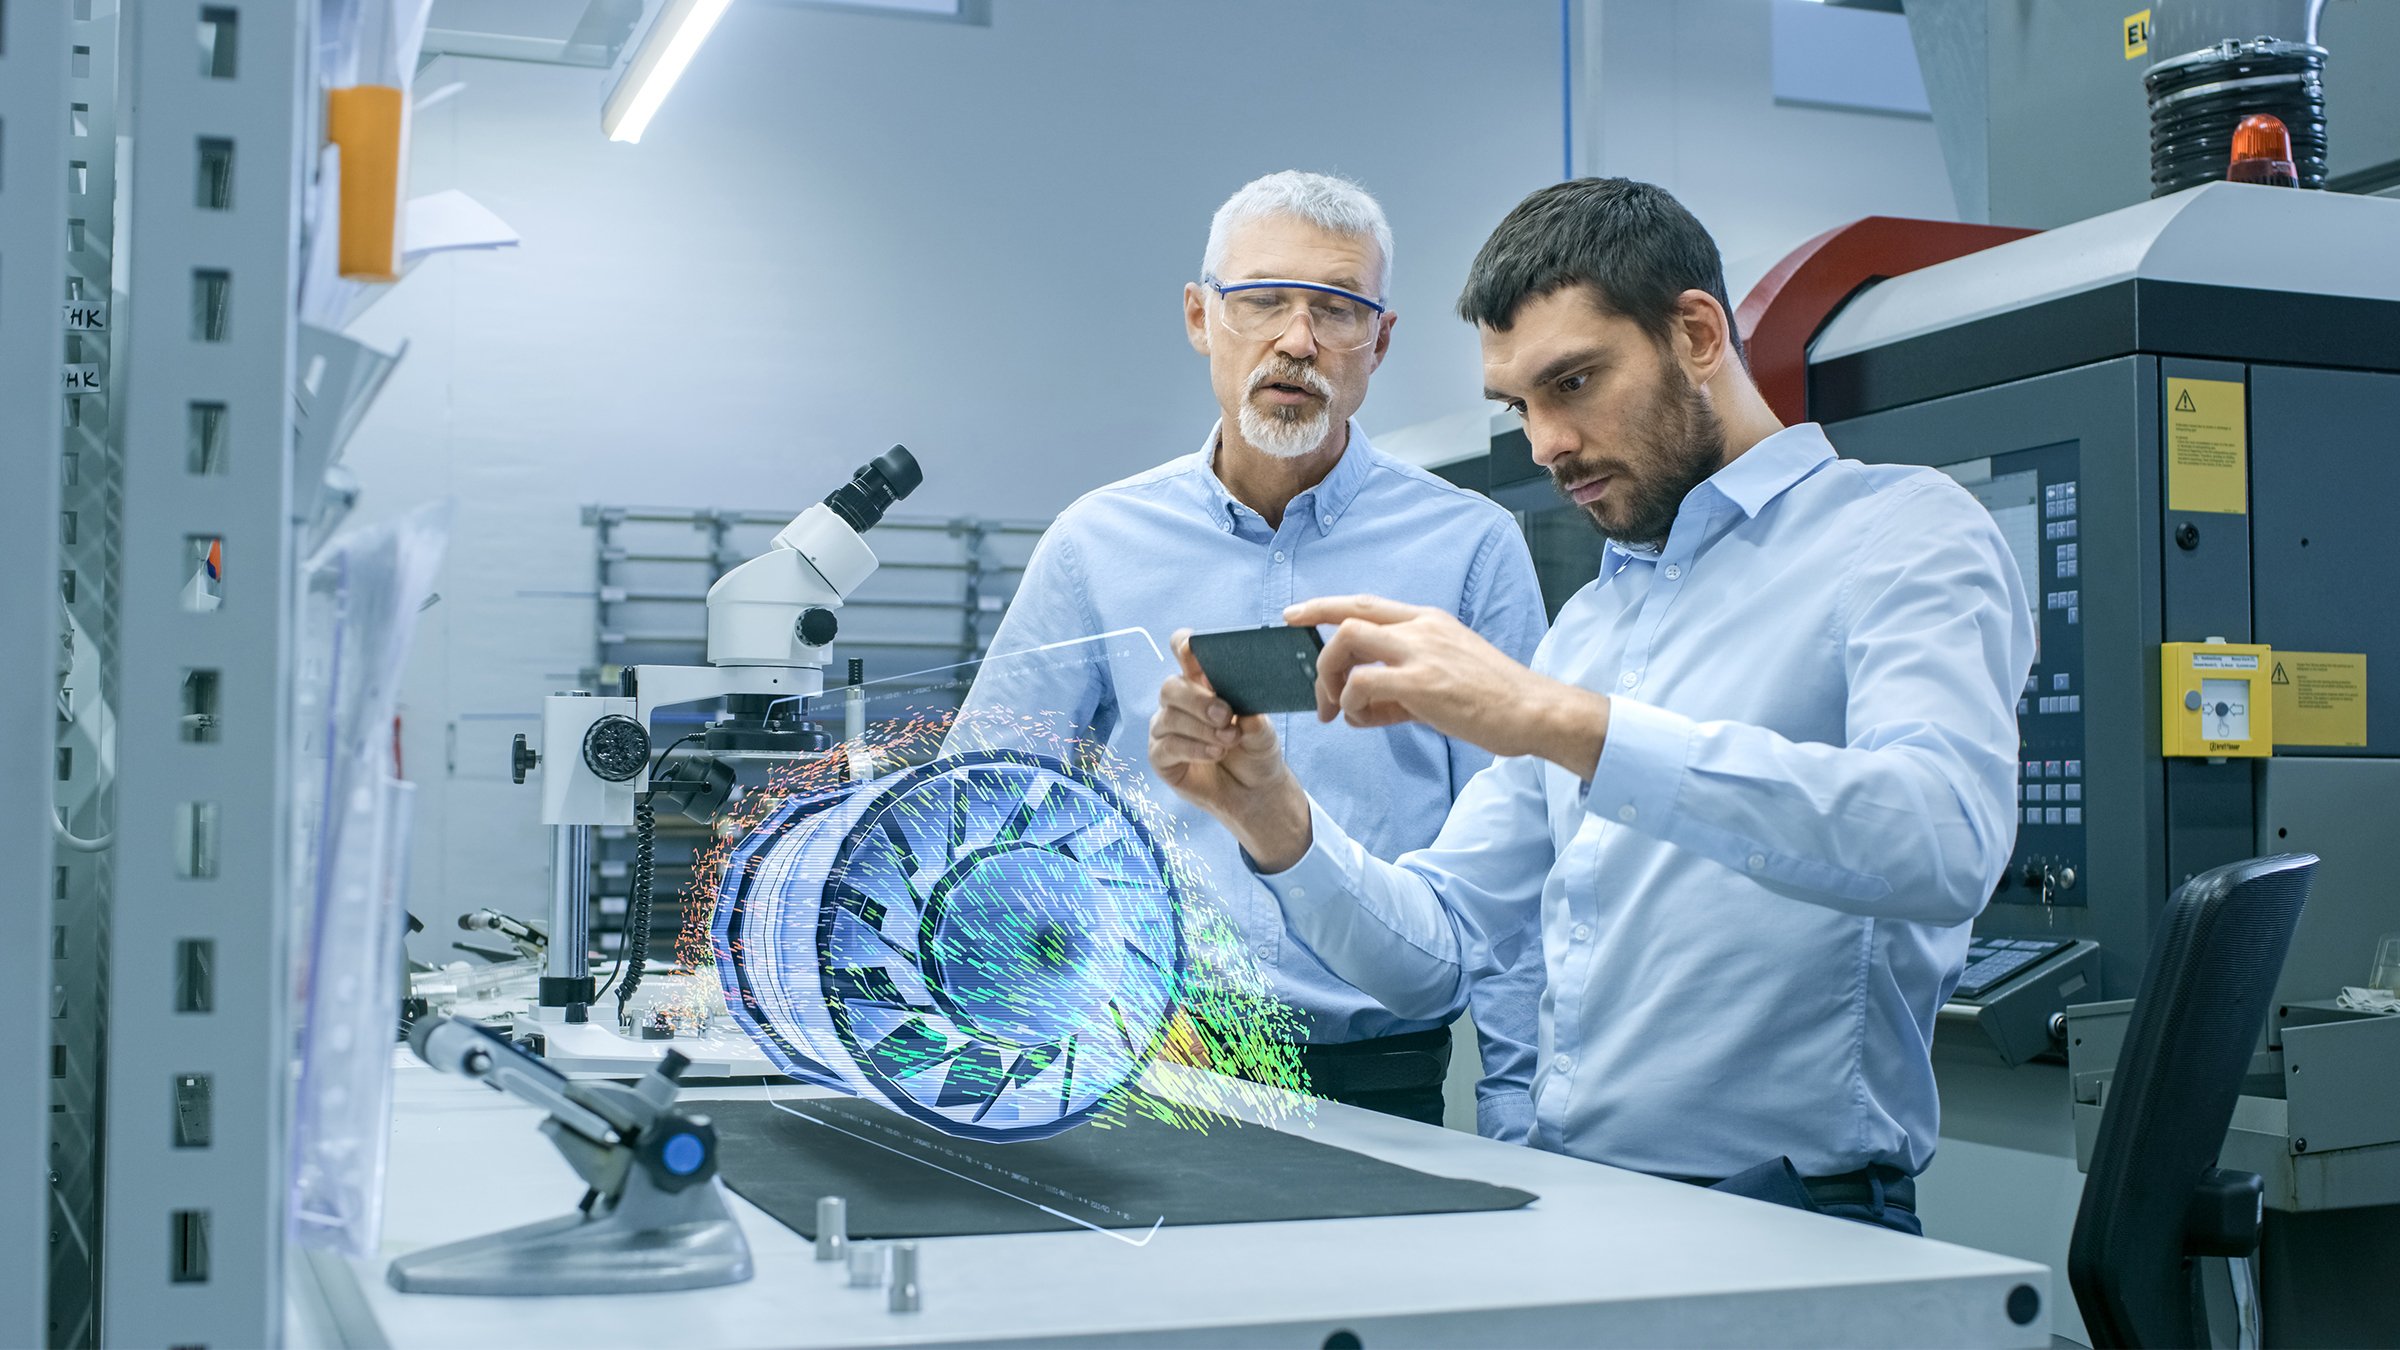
1682 95
847 230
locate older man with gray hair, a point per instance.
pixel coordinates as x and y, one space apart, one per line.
1285 499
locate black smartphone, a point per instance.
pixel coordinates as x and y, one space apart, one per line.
1261 670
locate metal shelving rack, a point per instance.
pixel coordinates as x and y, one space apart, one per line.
199 1047
91 484
157 955
934 601
34 128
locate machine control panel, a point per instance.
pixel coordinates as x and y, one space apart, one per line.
1990 961
2013 990
2034 497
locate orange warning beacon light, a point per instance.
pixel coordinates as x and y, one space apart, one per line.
2262 153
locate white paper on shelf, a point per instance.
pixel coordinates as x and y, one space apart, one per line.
448 221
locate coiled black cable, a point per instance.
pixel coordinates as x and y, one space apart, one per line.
2197 99
637 906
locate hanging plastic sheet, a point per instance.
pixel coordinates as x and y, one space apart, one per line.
350 837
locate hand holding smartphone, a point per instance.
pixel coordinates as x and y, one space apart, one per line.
1261 670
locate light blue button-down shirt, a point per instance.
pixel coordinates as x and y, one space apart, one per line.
1171 548
1752 913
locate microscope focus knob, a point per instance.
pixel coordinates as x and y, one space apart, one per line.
817 626
616 748
678 1151
521 758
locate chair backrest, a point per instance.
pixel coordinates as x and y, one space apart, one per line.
2211 977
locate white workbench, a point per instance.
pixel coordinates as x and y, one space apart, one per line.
1605 1257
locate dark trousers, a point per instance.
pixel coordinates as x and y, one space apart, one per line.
1883 1196
1396 1075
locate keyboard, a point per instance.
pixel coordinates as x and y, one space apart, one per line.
1993 961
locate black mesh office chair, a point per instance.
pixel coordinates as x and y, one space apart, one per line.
2155 1198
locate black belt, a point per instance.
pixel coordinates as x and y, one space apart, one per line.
1383 1064
1849 1188
1899 1189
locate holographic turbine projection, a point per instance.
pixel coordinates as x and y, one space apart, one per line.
992 943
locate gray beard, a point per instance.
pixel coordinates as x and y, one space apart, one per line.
1284 437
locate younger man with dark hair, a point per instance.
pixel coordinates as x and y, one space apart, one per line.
1755 785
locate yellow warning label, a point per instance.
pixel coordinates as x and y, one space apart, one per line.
2208 447
2320 698
2137 34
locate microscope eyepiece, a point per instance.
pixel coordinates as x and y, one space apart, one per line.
871 491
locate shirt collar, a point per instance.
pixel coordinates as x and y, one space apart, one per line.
1760 474
1323 503
1756 477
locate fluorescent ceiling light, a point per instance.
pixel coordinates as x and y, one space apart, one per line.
657 63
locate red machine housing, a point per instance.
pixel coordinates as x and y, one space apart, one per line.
1790 305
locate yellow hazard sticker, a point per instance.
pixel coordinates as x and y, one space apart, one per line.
2320 698
2137 34
2208 447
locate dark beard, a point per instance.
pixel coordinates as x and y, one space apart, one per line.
1681 443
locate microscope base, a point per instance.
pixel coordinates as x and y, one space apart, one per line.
651 1242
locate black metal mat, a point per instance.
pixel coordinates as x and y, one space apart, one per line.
906 1180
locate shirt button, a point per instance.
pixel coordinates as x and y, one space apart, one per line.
1266 953
1326 521
1757 861
1583 932
1629 679
1562 1063
1673 571
1279 555
1625 813
1299 892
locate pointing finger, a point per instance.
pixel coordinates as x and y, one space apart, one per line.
1336 608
